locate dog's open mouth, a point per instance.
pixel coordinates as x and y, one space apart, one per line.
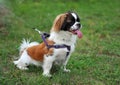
77 32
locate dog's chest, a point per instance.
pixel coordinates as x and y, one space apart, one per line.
60 57
62 54
62 38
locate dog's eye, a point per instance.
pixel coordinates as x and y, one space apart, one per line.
69 20
78 20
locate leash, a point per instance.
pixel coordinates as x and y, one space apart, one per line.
45 35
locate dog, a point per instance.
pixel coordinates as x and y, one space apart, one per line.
63 34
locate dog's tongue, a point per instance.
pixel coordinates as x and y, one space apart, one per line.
79 33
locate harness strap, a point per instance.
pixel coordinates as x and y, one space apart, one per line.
56 46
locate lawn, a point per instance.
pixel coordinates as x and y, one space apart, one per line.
96 60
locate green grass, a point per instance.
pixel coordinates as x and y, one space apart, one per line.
96 60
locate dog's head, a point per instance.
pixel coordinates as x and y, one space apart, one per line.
69 21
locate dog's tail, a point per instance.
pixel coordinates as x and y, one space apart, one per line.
25 44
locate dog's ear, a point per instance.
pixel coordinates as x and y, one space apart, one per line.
58 22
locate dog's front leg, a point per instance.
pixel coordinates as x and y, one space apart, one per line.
47 65
65 63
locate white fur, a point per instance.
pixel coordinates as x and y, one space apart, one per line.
48 61
74 27
67 38
63 37
59 56
25 44
74 15
25 59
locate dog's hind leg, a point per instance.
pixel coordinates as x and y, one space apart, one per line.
23 61
20 65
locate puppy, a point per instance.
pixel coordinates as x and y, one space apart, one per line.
63 35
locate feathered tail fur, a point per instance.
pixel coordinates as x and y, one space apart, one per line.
25 44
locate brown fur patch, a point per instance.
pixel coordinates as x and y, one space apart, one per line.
58 22
37 52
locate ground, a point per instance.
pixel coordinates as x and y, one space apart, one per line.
96 60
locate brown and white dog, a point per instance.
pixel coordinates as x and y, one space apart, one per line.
65 30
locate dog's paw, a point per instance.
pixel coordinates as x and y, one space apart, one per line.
67 70
15 62
22 67
47 75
